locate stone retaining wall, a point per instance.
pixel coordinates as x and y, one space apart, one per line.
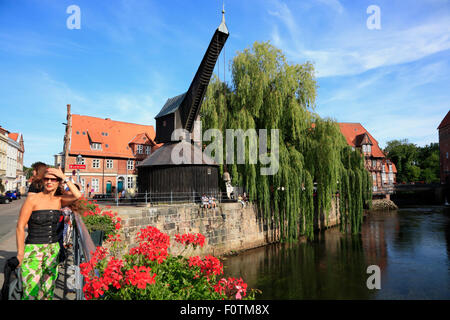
229 228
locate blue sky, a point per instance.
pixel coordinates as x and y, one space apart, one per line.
131 55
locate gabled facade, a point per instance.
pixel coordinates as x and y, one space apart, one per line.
20 175
109 150
3 154
382 169
444 149
11 160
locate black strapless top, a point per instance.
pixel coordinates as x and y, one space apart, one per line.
44 226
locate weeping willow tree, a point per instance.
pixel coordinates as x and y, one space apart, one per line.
315 163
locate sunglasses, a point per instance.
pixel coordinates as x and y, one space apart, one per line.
51 179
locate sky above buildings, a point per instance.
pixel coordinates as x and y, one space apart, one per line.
130 56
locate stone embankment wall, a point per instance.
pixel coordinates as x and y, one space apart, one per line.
229 228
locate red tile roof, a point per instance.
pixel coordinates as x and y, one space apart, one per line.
142 138
353 131
13 135
114 136
3 130
445 122
386 167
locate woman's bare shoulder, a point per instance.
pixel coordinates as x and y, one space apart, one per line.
33 196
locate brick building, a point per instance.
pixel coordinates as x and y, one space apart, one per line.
11 160
3 154
20 181
444 148
382 169
107 150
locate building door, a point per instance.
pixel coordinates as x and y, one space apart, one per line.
108 187
120 185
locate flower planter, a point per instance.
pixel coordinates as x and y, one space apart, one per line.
97 237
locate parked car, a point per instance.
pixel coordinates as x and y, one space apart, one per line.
18 194
11 195
4 199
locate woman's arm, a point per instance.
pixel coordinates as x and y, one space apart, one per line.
66 199
24 216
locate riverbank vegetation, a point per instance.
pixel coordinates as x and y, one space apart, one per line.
414 163
315 162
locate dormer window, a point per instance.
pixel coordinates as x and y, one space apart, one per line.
147 149
367 148
140 148
96 146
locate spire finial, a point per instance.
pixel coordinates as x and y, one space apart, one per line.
223 26
223 11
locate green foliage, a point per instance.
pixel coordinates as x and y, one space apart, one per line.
96 218
268 93
414 163
28 172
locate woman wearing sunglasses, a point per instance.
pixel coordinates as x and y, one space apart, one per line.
38 253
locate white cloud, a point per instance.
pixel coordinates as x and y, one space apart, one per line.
351 50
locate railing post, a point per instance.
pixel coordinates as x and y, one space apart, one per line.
145 197
171 197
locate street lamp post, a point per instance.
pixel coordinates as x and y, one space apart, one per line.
79 157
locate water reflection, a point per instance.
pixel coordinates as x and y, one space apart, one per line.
411 247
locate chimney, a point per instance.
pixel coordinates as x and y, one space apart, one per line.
67 137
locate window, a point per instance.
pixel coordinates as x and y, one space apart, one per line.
374 163
369 148
81 161
96 163
129 182
140 148
95 185
82 185
147 149
374 178
96 146
130 164
109 164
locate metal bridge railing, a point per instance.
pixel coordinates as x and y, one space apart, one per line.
82 249
162 198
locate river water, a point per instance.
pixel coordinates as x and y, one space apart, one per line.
411 246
